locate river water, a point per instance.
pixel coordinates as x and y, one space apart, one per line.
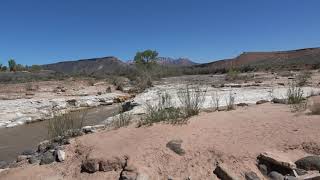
13 141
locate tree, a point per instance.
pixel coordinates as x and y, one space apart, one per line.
146 57
12 65
4 68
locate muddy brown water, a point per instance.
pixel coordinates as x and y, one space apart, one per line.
13 141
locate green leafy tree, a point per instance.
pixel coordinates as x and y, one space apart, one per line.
146 57
12 65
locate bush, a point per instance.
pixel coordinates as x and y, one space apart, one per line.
215 100
162 111
121 118
191 100
294 94
67 124
230 102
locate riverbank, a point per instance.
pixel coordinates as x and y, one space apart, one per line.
234 138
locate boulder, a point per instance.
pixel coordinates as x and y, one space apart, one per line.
224 173
175 146
60 155
47 158
309 163
275 176
251 176
90 166
112 164
276 159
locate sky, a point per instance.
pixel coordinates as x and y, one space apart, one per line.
48 31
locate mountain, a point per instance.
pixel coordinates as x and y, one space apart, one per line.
95 66
292 59
167 61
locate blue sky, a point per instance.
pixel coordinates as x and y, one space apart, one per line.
46 31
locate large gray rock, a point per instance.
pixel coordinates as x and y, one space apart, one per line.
275 176
60 155
224 173
90 166
175 146
47 158
276 160
34 160
309 163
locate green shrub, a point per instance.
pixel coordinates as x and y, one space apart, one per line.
162 112
230 102
294 94
67 124
191 100
121 118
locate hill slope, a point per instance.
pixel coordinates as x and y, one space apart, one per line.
96 66
294 59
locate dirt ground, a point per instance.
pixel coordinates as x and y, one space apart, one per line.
233 137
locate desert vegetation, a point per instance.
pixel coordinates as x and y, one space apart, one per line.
68 125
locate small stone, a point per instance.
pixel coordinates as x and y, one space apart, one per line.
242 104
128 175
263 169
275 176
90 166
251 176
47 158
262 101
279 101
28 152
60 155
21 158
175 146
309 163
34 160
42 147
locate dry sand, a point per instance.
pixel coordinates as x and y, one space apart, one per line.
234 137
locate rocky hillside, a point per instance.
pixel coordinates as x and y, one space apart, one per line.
294 59
95 67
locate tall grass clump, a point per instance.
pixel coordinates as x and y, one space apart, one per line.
215 99
191 100
230 102
67 125
294 93
163 110
121 119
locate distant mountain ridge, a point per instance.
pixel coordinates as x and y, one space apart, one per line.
299 58
167 61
